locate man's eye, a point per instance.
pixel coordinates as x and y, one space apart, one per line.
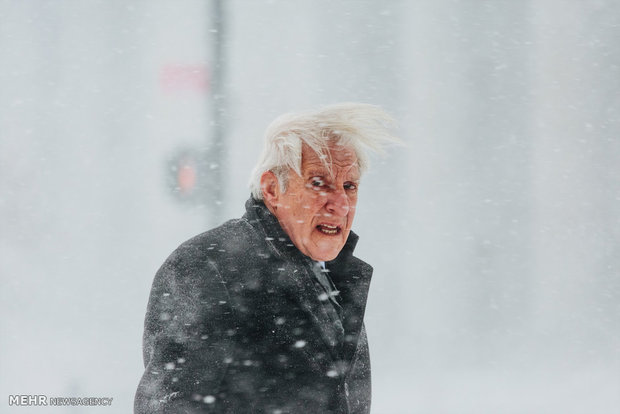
350 186
317 182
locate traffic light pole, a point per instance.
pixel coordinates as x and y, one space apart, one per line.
217 150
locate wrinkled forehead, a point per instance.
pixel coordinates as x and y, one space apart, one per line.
333 156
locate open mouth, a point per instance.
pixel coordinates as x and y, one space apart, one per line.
328 229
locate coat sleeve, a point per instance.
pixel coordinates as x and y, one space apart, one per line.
186 346
358 383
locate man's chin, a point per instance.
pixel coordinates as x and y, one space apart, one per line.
325 254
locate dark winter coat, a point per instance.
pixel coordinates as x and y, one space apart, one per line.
236 324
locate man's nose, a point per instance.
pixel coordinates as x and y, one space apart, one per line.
338 203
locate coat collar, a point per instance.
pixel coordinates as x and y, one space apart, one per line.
350 275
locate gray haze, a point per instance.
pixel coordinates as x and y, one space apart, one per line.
494 233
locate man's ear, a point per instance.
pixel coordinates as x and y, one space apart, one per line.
271 189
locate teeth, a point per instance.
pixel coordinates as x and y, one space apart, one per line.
327 229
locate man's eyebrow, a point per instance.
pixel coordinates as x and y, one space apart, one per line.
326 174
317 173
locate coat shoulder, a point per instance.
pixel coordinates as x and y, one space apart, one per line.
233 237
235 250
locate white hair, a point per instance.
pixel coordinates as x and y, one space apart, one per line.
363 127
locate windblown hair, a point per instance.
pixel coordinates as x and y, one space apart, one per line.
363 127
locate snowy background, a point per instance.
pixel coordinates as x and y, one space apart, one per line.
494 234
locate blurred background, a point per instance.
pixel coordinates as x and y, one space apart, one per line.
127 127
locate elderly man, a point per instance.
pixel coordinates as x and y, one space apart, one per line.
264 314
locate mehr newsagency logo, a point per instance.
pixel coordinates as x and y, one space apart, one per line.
33 400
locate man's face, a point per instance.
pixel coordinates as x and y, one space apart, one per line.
317 209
